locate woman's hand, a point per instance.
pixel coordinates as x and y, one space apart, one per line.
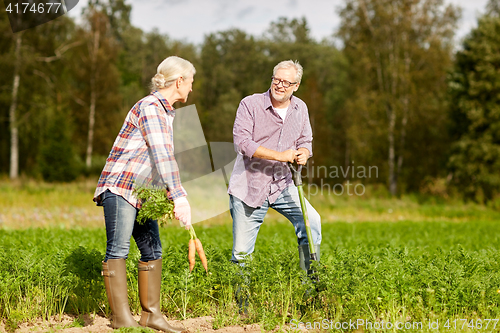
182 211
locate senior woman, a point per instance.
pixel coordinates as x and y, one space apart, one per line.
143 149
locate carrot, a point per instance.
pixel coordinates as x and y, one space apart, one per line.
195 243
201 253
192 254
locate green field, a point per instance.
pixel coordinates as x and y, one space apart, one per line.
409 261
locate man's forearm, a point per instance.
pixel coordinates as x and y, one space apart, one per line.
269 154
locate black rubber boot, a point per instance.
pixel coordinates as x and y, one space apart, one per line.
242 293
305 257
242 299
305 265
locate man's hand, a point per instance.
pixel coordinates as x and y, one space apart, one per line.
302 156
288 156
182 211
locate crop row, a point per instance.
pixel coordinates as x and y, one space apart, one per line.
397 272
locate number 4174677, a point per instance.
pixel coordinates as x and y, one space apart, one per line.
472 324
40 8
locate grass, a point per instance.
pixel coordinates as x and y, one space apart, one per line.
32 204
408 271
438 263
29 204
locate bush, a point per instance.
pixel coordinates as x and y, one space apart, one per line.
58 161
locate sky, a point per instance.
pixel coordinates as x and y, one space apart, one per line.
191 20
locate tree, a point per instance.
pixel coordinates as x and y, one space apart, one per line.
95 81
232 66
28 59
6 51
14 132
493 8
474 88
57 159
398 54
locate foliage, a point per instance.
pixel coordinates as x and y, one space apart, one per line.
42 79
58 161
84 267
94 82
374 271
376 98
493 8
155 205
32 204
475 112
232 66
398 53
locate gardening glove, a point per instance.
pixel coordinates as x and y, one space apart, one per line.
182 211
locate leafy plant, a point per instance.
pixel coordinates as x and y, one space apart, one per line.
372 271
155 205
84 267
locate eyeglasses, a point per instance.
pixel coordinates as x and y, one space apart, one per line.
284 83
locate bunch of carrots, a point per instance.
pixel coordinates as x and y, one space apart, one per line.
156 205
196 246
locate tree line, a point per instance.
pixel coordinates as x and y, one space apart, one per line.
392 90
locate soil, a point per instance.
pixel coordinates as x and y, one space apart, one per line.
100 324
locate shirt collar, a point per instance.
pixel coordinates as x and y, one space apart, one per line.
164 102
268 104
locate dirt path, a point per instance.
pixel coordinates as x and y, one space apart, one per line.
100 324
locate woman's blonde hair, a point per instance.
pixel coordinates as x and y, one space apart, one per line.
170 70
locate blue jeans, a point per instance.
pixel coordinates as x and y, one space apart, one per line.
120 218
247 221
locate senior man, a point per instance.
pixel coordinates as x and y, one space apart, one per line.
271 129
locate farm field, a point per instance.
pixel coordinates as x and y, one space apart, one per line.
426 265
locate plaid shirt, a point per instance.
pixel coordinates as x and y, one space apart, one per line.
143 152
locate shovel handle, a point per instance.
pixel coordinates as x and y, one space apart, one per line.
297 180
296 173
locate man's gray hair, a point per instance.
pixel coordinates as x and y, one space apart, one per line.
286 64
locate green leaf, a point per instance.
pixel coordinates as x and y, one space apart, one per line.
155 205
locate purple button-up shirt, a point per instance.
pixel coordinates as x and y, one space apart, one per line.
257 124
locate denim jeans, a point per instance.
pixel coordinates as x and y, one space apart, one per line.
120 218
247 221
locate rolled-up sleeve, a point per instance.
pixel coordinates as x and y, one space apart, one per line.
305 138
159 138
243 131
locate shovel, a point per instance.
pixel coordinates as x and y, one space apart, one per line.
297 180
